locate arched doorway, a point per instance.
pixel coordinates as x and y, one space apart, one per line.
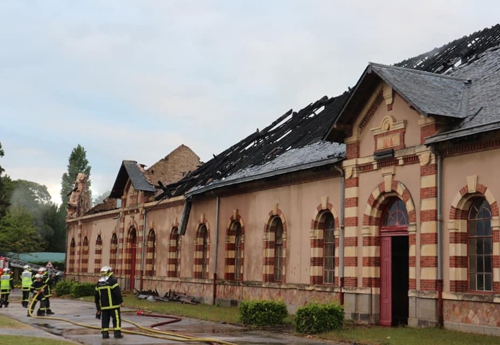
132 242
394 264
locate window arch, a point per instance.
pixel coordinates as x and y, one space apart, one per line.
174 252
201 253
85 255
98 254
480 246
150 253
395 214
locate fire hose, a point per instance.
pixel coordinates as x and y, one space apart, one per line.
145 331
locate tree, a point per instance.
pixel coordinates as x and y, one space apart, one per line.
5 188
17 232
77 163
55 217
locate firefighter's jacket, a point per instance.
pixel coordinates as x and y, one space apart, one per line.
6 283
48 282
26 280
38 288
108 294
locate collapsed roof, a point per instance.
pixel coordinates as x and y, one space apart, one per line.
313 124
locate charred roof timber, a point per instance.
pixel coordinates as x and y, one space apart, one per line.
315 123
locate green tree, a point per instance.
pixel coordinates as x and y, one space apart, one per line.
5 188
18 233
78 163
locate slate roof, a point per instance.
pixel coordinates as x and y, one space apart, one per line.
134 171
448 96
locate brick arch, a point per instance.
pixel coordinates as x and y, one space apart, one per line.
378 198
128 259
269 246
72 255
317 241
458 234
230 260
371 229
199 257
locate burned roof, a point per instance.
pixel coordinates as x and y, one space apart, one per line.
314 123
134 171
290 131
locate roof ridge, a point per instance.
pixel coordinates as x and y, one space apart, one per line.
416 71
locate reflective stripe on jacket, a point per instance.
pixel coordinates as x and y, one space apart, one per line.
26 280
5 281
108 294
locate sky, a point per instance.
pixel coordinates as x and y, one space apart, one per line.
135 79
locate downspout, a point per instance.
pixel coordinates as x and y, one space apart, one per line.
342 229
439 196
217 204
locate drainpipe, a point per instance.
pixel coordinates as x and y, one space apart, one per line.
342 228
439 197
217 204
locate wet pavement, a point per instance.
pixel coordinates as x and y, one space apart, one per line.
75 321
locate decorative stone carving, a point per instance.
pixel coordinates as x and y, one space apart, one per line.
79 200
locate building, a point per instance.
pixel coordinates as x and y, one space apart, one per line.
383 198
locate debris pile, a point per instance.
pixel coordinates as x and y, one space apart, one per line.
170 296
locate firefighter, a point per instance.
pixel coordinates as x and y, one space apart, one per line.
26 281
47 292
108 300
38 290
6 284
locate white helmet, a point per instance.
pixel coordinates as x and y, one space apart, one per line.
42 269
106 271
6 270
26 267
38 276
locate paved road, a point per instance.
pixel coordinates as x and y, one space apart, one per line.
83 313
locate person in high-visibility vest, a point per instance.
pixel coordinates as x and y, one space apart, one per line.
108 300
26 280
6 284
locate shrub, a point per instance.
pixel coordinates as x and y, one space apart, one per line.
82 289
262 313
318 318
63 287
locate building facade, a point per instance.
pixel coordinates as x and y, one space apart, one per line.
383 199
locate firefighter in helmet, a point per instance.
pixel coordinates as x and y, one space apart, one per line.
26 280
47 289
6 284
38 289
108 300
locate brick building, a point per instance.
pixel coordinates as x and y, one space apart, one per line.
383 198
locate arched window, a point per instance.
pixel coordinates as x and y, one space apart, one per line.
480 243
72 250
85 255
201 253
98 254
238 251
277 226
395 215
150 253
328 248
112 252
174 252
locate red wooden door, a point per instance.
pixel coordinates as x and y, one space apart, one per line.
385 281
